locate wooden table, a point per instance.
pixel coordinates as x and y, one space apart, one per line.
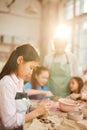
55 120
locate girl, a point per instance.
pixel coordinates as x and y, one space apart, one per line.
37 86
19 64
76 85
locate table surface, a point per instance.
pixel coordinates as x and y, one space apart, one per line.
55 120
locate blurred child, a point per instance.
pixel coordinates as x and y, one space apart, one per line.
76 85
37 86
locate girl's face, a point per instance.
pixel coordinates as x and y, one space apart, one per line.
24 68
42 78
28 77
74 85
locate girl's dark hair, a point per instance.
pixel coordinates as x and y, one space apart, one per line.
27 51
80 83
36 71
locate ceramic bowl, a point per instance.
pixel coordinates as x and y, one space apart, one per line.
67 105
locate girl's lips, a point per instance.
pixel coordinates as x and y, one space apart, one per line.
43 84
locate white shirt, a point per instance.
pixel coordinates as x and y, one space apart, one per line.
9 86
49 59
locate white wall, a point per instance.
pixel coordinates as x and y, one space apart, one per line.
20 26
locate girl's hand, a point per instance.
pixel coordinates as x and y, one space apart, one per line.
48 94
53 105
50 105
75 96
41 110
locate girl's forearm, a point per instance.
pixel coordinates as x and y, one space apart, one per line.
35 92
31 116
41 110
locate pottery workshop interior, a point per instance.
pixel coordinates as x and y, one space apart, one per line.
43 64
